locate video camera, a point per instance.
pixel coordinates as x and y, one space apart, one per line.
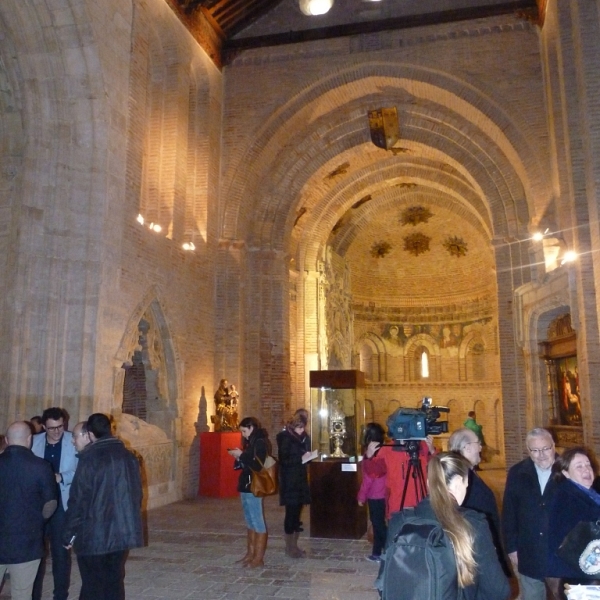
417 424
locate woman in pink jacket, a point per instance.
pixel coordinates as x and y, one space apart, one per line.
372 491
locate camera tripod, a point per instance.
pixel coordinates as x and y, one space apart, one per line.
414 473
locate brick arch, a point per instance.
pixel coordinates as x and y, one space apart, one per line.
291 174
491 120
377 346
173 363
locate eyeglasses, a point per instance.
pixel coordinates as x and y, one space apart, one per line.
57 428
543 450
477 442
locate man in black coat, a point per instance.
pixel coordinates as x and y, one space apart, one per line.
28 497
529 489
479 496
104 515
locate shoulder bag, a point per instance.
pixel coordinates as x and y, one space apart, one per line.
581 547
264 482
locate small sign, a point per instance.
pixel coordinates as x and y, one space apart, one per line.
349 467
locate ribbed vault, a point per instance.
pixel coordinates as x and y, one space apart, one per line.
451 136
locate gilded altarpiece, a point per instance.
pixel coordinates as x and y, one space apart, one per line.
559 352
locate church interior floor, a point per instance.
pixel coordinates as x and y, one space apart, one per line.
193 546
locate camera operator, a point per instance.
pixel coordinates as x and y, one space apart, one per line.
397 459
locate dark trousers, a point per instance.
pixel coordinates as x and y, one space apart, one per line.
61 558
377 516
291 523
102 576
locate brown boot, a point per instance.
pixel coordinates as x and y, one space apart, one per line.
300 553
250 552
260 547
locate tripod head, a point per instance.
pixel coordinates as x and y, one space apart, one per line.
413 447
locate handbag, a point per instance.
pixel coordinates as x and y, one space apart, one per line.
264 482
581 547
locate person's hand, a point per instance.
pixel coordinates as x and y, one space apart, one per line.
372 448
361 503
58 477
429 442
235 452
514 560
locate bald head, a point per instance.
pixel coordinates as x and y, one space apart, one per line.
19 434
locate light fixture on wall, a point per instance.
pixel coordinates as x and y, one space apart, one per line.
153 226
538 236
188 246
315 7
569 256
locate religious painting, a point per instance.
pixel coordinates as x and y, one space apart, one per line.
569 406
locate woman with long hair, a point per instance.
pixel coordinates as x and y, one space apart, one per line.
255 448
294 446
478 571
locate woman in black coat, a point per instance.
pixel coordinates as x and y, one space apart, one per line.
574 500
294 445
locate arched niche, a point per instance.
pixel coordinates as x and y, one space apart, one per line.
146 399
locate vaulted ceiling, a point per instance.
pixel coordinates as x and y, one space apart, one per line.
221 26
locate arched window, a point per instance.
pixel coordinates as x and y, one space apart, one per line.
424 364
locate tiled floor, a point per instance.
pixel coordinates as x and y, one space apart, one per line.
193 546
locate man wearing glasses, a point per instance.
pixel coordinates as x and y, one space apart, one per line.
529 489
56 446
479 496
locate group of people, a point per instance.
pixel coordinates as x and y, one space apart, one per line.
545 497
80 490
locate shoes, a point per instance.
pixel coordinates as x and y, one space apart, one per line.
374 558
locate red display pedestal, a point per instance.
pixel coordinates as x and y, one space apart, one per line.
217 477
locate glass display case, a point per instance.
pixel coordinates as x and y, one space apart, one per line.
337 409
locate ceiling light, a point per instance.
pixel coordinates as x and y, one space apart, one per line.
538 236
315 7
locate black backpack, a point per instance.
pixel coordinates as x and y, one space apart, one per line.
418 563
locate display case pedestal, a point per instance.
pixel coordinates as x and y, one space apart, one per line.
334 509
217 477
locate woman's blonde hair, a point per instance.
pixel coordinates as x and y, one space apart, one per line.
441 470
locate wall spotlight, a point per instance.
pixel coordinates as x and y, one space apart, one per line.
569 256
315 7
140 219
189 246
538 236
155 227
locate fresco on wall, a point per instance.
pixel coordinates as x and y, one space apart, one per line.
448 336
569 406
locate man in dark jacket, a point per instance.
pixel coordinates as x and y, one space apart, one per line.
104 516
28 497
479 496
529 489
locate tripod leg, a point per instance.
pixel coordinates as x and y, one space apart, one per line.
406 480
